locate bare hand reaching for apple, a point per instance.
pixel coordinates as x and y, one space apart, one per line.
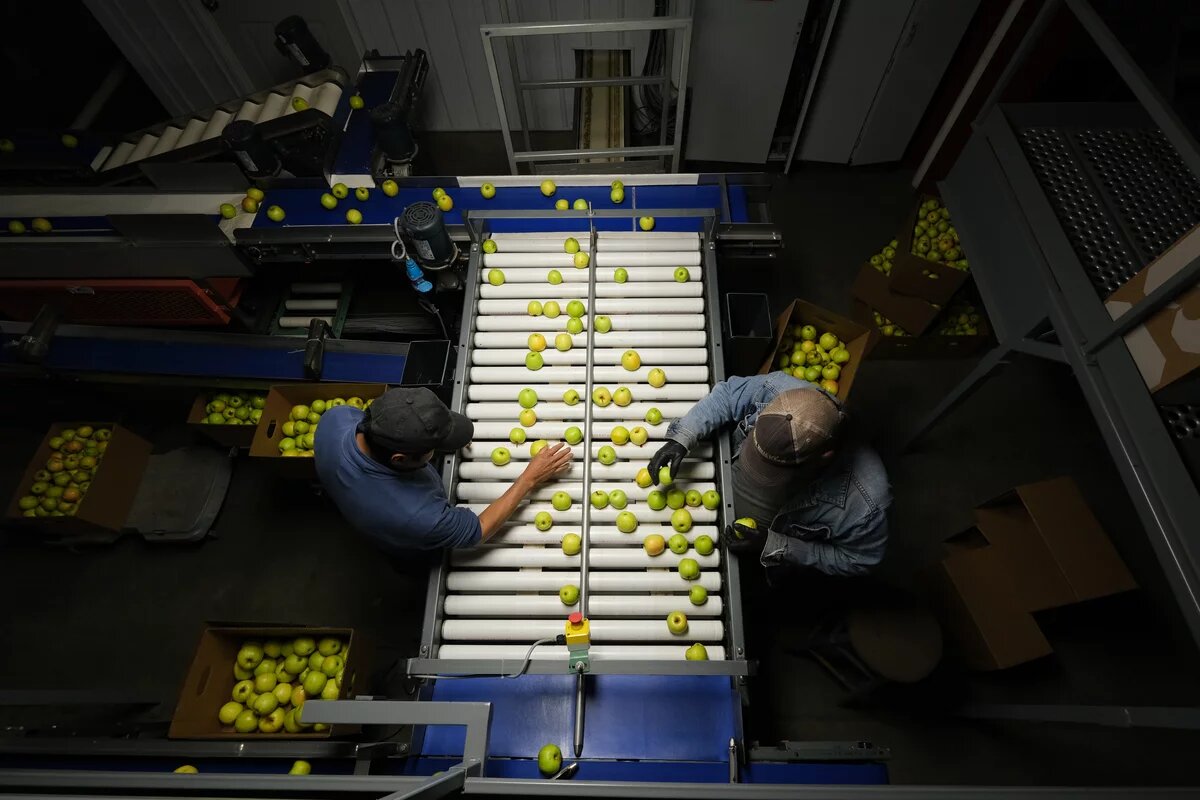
549 463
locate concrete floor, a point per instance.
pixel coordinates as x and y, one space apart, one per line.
282 554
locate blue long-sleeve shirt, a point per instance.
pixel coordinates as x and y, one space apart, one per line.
838 522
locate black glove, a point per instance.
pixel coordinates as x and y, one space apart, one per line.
670 455
742 539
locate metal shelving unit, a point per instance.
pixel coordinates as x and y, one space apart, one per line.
1060 206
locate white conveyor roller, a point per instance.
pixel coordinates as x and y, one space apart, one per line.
679 243
617 471
561 260
521 535
603 376
641 581
612 605
620 322
484 392
622 339
553 558
481 491
554 431
481 450
526 292
670 258
598 653
604 305
632 415
603 630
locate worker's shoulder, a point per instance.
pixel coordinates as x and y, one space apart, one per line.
776 383
339 418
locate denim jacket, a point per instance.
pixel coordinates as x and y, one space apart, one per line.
838 523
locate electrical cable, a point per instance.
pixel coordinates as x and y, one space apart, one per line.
560 639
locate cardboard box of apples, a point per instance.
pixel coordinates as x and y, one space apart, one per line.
251 682
291 414
847 340
83 476
961 331
227 417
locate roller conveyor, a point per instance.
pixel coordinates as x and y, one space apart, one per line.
507 590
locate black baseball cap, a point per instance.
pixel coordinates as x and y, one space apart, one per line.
414 421
795 426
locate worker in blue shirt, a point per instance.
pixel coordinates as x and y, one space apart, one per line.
819 498
374 465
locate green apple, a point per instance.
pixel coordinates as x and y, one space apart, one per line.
646 223
543 521
678 544
16 227
299 104
569 594
571 245
575 309
654 416
571 544
331 691
527 397
682 275
551 309
329 201
272 722
812 374
548 188
681 520
601 396
692 498
573 435
626 522
246 722
618 499
549 759
704 544
537 447
291 726
229 712
517 436
354 216
389 187
711 499
27 502
496 277
643 478
266 682
266 703
677 623
250 655
562 204
249 205
621 275
295 663
563 342
7 146
600 498
487 190
242 691
489 246
654 545
554 277
828 341
534 308
561 501
228 211
275 214
665 478
689 569
527 417
340 191
329 646
657 378
533 361
314 682
617 196
840 355
282 675
630 360
676 498
622 396
698 595
656 500
606 455
301 767
570 397
603 324
638 435
304 646
617 184
574 325
580 260
501 456
696 652
580 204
808 333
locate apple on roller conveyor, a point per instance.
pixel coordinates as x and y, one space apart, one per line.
649 365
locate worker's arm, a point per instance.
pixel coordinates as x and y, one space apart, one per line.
853 552
546 465
729 401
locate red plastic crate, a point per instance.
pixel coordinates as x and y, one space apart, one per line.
123 301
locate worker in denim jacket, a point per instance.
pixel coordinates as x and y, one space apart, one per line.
819 499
